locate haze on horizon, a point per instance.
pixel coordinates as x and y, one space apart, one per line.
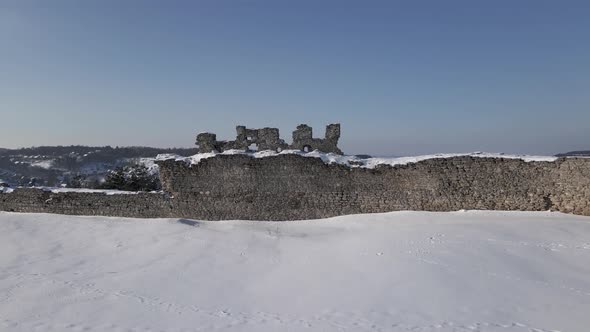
403 78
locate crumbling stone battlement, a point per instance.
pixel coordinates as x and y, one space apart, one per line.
269 139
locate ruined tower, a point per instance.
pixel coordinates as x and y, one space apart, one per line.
269 139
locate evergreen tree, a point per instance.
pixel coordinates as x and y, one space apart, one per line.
131 178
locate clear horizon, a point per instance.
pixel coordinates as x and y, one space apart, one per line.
402 78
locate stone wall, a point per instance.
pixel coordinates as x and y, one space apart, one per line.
287 187
142 205
293 187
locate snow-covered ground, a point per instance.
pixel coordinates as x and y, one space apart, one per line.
82 190
401 271
352 161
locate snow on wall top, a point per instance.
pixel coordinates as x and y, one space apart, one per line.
352 161
85 190
82 190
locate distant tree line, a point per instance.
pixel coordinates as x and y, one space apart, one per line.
574 154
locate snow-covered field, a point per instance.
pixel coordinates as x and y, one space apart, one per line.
402 271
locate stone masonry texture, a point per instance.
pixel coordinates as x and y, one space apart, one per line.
291 187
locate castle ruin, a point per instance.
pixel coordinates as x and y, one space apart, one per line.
292 186
269 139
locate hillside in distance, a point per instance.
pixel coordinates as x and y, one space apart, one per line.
584 153
59 165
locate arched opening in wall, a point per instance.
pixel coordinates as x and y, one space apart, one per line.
307 148
253 147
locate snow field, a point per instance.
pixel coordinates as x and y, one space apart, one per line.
399 271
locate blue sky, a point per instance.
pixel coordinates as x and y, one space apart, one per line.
403 77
